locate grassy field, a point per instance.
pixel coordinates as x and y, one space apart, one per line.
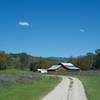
92 86
14 71
42 84
27 91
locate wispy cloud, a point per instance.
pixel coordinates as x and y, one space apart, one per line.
82 30
24 23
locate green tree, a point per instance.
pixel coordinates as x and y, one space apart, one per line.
2 60
23 60
34 67
96 64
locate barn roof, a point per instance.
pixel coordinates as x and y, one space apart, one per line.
72 68
54 67
69 66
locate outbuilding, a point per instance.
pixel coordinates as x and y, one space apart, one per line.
63 67
42 70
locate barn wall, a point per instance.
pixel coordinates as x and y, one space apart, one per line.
61 69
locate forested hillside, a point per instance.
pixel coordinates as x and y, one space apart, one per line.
23 61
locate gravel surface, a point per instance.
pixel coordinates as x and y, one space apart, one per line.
69 89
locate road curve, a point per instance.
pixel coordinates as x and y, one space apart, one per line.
68 89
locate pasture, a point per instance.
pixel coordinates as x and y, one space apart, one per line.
24 85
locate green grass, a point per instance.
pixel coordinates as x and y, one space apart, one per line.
92 86
14 71
30 91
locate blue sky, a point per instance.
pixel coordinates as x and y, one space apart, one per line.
50 27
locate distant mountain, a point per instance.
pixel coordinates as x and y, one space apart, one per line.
59 59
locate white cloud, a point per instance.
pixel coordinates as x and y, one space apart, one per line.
24 23
82 30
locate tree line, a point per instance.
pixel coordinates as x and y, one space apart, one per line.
25 61
88 61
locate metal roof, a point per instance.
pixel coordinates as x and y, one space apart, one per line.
73 68
54 67
67 64
70 66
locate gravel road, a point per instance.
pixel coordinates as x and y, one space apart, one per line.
68 89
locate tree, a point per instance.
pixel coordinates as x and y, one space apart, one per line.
96 64
2 60
90 56
23 59
34 67
97 52
84 62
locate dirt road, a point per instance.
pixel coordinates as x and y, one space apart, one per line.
69 89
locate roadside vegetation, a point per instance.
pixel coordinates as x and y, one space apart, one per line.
91 82
92 86
23 85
